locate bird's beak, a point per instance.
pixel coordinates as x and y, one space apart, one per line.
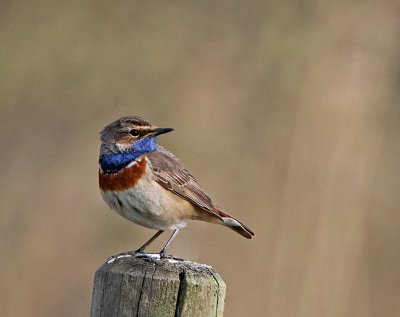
159 131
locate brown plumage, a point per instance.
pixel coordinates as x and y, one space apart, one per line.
172 175
124 179
148 185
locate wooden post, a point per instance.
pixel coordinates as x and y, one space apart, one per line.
131 286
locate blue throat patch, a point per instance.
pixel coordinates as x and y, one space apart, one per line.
113 163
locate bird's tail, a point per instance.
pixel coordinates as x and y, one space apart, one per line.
235 225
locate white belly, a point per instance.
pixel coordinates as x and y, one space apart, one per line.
150 205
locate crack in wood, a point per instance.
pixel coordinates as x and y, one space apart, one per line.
141 291
180 296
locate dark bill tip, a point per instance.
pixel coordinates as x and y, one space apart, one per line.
159 131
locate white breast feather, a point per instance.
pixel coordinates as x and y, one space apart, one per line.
148 204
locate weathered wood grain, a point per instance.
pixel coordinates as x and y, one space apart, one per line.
132 286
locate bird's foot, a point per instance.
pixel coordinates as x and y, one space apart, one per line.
173 258
112 258
156 256
150 256
142 255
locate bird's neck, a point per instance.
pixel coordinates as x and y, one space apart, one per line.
113 163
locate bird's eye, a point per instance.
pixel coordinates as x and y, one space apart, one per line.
134 132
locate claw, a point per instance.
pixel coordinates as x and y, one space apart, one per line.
112 258
152 256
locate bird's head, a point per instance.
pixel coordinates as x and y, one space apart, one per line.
130 135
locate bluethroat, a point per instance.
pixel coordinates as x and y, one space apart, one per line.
147 184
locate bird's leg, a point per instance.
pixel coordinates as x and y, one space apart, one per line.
164 249
148 242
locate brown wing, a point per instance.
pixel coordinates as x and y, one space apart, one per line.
172 175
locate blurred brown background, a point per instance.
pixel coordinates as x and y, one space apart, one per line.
286 112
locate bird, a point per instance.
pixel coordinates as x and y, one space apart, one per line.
146 184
